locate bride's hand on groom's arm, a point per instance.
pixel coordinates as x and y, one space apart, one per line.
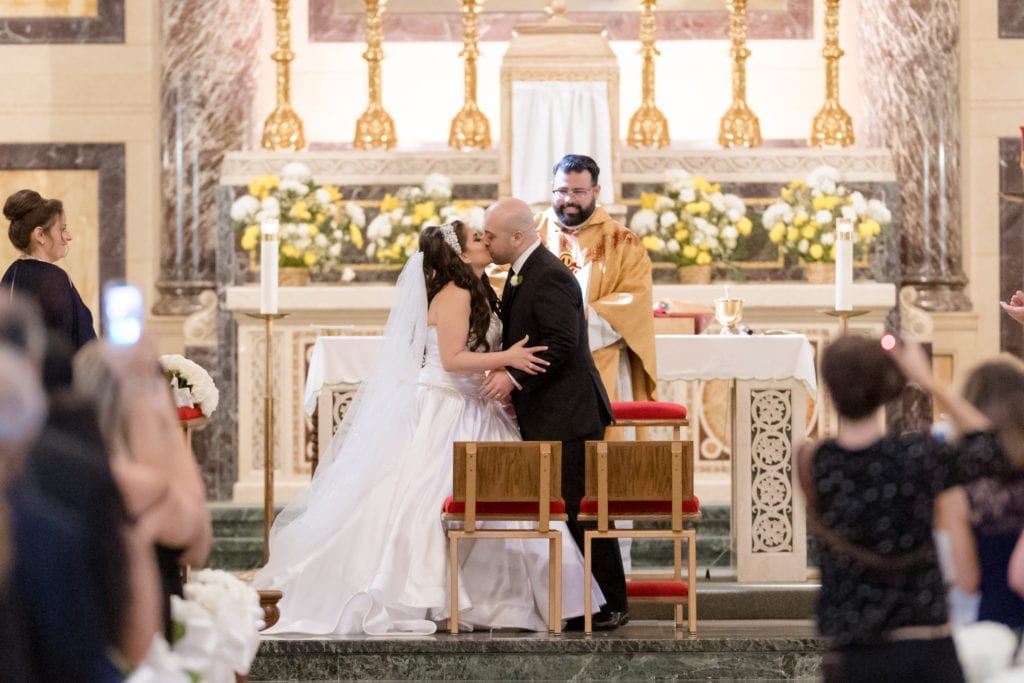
525 358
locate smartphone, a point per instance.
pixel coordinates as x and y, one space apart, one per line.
122 313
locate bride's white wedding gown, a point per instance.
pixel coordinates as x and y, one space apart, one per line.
364 550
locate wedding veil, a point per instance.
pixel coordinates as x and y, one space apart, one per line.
378 424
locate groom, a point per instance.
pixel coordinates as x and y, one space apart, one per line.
567 403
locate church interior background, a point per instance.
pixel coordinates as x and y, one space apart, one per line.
146 118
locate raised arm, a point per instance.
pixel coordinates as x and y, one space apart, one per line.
1015 307
914 363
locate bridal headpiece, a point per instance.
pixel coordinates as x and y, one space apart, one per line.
448 233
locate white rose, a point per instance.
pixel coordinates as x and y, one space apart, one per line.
802 246
348 275
828 238
673 246
296 171
355 214
678 180
303 230
293 186
824 178
879 212
397 215
824 217
664 204
379 228
335 250
668 219
406 221
730 233
320 240
322 197
644 222
687 195
270 208
438 184
717 201
244 207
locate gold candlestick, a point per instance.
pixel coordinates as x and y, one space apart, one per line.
844 318
470 128
648 126
283 128
832 125
739 126
375 128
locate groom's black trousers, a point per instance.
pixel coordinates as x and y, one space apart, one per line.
607 560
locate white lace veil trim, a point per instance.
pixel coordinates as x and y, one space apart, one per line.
378 423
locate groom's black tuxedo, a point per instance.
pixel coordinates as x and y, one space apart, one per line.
568 403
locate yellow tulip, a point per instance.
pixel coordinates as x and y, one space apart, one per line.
648 200
313 230
389 203
423 212
703 258
681 235
356 235
816 251
777 232
300 210
792 235
290 251
251 237
744 225
651 243
333 192
309 258
808 231
689 251
800 220
701 183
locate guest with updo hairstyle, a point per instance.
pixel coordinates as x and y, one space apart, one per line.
871 501
39 230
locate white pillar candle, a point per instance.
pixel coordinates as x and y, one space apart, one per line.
268 265
844 264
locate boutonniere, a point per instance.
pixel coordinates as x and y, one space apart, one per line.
517 280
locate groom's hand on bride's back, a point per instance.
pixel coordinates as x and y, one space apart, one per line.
525 358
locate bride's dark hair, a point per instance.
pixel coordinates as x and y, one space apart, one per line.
442 265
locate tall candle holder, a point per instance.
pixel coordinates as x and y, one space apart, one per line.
283 128
739 126
648 126
268 428
470 128
375 127
832 124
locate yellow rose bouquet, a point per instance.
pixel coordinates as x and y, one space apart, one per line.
803 221
692 223
394 235
315 227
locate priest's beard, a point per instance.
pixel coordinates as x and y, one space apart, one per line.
573 220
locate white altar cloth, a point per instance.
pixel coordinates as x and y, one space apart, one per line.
338 360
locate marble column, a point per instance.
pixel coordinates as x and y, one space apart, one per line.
207 89
910 54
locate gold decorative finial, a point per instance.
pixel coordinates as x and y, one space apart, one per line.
375 127
470 128
739 125
555 9
283 128
832 125
648 126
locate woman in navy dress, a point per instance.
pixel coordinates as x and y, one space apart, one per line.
39 230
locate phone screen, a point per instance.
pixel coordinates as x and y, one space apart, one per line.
122 312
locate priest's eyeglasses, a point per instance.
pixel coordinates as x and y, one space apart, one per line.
575 193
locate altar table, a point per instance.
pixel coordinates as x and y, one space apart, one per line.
771 376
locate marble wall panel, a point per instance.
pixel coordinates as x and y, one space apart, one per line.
330 23
106 25
1011 240
207 89
107 161
1011 19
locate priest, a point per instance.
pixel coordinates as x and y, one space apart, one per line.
614 272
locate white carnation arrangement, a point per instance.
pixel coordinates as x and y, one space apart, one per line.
193 387
215 631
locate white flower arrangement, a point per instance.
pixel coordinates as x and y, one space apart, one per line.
193 386
215 632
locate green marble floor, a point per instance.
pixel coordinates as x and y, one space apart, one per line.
746 650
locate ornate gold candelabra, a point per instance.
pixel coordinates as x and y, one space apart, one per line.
470 128
832 125
739 126
375 128
648 126
283 128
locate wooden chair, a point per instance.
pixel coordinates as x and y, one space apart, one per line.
644 414
507 481
644 480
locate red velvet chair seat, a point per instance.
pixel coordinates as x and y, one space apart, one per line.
648 410
657 589
640 507
453 507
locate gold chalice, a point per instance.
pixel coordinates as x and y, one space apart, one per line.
728 313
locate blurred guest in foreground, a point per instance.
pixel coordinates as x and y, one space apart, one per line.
39 230
151 460
870 499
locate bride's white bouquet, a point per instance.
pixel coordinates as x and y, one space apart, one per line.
193 387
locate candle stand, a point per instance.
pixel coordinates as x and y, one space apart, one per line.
844 317
268 428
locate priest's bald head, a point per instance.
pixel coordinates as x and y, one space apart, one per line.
508 229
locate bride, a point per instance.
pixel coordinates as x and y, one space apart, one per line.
363 550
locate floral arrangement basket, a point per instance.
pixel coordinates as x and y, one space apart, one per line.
393 235
803 221
692 223
194 391
316 227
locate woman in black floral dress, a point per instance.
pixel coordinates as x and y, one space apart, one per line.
871 502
